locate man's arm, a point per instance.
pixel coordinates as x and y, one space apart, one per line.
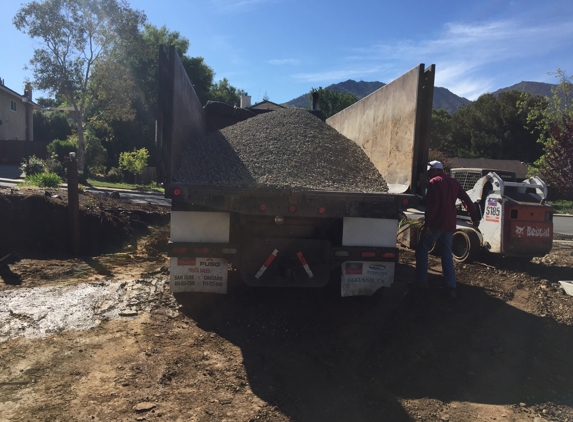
469 205
432 202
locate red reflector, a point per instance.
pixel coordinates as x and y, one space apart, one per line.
292 208
321 210
262 207
176 192
368 254
179 250
405 201
202 250
388 255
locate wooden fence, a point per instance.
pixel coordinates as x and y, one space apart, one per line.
14 152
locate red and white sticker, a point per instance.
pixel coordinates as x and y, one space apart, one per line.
304 264
266 264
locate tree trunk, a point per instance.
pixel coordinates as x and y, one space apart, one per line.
81 145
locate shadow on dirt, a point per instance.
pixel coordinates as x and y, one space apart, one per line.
337 359
9 277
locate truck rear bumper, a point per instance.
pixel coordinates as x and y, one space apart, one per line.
284 262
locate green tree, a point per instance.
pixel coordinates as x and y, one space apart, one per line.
331 102
554 123
134 161
224 92
441 130
495 127
51 125
82 58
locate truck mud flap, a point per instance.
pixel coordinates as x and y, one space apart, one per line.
285 262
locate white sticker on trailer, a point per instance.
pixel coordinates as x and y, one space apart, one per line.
207 275
363 278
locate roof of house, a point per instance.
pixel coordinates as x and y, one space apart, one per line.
516 166
265 105
15 94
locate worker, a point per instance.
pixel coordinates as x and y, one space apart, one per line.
440 223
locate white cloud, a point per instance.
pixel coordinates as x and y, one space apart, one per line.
467 55
281 62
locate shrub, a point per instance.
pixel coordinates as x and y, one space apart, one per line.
135 161
34 165
44 180
61 148
53 165
114 175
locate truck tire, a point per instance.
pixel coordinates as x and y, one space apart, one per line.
465 246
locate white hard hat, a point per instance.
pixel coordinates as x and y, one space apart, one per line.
435 165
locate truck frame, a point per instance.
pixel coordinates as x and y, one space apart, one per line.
294 238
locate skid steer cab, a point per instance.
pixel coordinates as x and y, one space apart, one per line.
515 220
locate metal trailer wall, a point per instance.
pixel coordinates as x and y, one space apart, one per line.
181 115
391 125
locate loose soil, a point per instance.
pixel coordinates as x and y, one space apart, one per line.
499 351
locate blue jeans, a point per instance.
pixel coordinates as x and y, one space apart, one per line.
444 241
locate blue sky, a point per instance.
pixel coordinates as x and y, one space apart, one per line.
283 48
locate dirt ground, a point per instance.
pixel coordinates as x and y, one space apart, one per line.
499 351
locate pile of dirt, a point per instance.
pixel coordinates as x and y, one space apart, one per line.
288 148
37 222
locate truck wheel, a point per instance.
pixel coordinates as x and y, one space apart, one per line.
465 246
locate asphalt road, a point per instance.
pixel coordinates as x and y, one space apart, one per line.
563 224
141 197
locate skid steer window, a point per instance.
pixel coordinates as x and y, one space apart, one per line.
513 214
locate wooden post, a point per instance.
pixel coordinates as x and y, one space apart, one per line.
74 204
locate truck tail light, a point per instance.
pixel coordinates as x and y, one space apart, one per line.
321 210
405 201
201 250
229 251
390 255
341 253
368 254
176 192
179 250
292 208
262 207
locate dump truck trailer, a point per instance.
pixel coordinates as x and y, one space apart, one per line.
280 237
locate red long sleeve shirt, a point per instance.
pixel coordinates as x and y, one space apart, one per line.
441 203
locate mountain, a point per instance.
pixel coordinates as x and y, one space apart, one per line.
442 97
535 88
360 89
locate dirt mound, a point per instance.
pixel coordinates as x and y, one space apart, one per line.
282 149
37 222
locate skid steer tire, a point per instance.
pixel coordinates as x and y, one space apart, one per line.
465 246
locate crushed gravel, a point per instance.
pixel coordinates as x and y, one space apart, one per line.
290 149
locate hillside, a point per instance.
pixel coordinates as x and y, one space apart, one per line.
443 98
535 88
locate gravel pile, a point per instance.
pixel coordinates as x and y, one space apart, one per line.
288 148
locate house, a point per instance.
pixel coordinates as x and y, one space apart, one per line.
516 166
265 105
16 111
